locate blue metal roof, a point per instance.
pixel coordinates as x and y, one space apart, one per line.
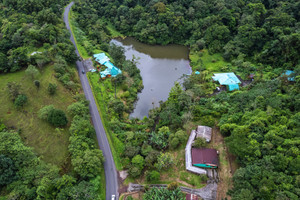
226 78
289 73
111 69
101 58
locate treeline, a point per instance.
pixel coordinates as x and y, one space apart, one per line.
265 31
33 26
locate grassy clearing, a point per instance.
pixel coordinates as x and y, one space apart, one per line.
114 33
79 36
48 143
101 95
202 60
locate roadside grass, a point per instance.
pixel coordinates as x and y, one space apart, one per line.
50 144
101 97
79 36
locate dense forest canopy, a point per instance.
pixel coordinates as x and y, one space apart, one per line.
267 31
31 26
260 122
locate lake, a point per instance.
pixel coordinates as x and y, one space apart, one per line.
160 67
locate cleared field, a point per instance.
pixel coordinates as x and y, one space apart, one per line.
202 60
49 143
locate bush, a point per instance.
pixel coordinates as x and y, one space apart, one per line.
153 176
129 198
175 139
79 108
13 89
138 161
173 186
199 143
164 161
52 88
134 171
37 83
57 118
44 112
81 126
21 100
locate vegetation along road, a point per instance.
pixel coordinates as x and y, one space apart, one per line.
109 165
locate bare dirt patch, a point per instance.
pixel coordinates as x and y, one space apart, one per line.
227 165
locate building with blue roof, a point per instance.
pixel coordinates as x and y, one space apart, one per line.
229 79
289 73
111 70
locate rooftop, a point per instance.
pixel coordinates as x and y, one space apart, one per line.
205 156
226 78
204 132
191 197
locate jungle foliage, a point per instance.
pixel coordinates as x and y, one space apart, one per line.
266 31
260 122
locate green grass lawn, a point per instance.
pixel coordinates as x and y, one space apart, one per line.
202 60
46 141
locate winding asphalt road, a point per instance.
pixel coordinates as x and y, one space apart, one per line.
109 165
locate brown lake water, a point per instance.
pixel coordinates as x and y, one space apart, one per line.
160 67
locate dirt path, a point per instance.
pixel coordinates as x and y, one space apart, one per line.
225 169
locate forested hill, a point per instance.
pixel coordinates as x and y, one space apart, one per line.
267 30
27 26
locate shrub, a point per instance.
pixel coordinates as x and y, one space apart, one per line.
129 198
81 126
52 88
57 118
153 176
37 83
13 90
134 171
79 108
173 186
199 143
21 100
164 161
32 71
138 161
44 112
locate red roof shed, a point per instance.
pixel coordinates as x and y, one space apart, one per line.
204 157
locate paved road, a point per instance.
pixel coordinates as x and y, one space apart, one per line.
109 165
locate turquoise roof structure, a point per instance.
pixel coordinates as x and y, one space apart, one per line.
197 72
289 73
229 79
111 69
101 58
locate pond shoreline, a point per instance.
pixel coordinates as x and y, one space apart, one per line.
160 66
